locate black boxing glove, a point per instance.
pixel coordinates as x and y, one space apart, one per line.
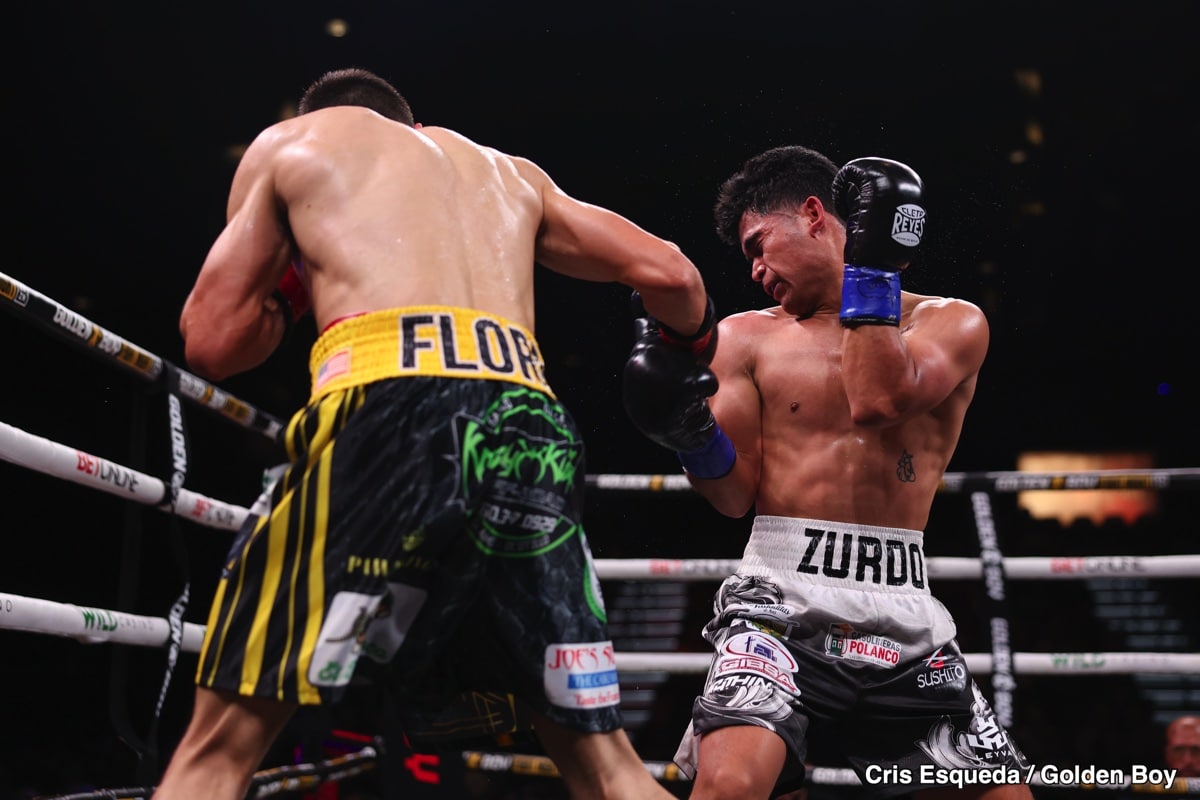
665 390
702 344
880 201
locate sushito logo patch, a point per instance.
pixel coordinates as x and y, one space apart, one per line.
942 669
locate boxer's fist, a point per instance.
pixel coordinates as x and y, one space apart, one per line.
702 344
665 390
880 201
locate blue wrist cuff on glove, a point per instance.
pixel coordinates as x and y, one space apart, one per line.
870 296
714 460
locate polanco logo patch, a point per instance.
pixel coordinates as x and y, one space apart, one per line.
844 642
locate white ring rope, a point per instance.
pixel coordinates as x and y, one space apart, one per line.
92 625
88 624
979 663
938 567
957 482
60 461
76 466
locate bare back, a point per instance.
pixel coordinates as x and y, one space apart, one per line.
385 215
814 461
382 215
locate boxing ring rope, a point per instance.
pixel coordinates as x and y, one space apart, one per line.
55 318
999 482
60 461
95 625
937 567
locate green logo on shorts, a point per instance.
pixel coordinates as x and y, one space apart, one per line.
528 460
330 672
524 454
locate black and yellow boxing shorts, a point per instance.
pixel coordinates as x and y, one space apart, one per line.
426 533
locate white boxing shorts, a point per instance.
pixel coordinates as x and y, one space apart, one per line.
828 631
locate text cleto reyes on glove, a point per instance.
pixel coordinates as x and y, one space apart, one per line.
881 203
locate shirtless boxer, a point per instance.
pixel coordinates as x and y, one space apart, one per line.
430 516
836 415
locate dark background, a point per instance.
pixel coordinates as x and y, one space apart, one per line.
122 128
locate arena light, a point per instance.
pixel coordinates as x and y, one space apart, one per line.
1068 505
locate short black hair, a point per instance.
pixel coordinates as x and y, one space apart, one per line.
356 87
774 179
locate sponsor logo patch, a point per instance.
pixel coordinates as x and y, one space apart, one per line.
362 624
942 669
844 642
581 675
757 654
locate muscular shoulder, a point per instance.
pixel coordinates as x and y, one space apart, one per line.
919 307
507 163
326 134
748 323
740 334
952 327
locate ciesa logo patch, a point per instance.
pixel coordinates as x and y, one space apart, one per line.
581 675
758 654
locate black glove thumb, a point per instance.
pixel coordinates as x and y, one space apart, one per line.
703 381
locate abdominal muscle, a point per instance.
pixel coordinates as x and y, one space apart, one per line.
861 478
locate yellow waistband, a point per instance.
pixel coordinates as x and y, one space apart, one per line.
439 341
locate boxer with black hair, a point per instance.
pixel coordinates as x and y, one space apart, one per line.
842 405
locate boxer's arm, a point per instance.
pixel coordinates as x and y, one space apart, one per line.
231 321
591 243
894 374
737 409
891 374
